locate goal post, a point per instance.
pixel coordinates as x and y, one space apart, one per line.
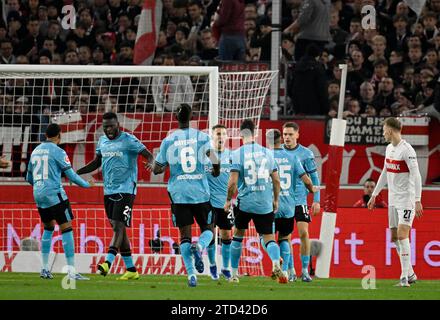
144 98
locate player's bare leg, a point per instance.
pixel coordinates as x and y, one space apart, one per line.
303 231
412 277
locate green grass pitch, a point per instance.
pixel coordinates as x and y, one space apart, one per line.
30 286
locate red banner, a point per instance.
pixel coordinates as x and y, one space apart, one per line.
361 239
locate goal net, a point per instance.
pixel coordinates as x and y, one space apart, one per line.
144 98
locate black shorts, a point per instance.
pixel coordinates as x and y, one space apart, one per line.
184 214
61 213
222 219
119 207
302 214
284 226
264 223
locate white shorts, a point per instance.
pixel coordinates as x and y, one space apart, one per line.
400 216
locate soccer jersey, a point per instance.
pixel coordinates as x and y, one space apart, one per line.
254 164
307 160
218 186
119 162
399 161
185 152
46 164
289 170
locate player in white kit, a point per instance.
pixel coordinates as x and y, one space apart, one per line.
401 173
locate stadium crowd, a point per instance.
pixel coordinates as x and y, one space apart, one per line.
392 69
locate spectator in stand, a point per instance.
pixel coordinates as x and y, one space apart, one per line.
4 164
415 56
384 97
263 39
85 55
126 54
45 56
171 91
379 45
397 37
339 36
309 90
430 26
208 49
369 186
403 104
50 45
397 65
54 32
198 22
380 72
432 59
229 23
333 89
6 52
71 57
353 109
16 29
312 26
109 46
44 20
367 95
287 47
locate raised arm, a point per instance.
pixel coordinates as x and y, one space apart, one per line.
91 166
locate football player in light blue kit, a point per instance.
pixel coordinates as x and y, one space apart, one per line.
291 173
117 152
254 172
219 188
46 164
302 216
187 152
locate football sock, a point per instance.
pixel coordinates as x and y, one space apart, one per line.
305 264
46 242
291 267
68 246
236 247
405 255
205 239
411 270
273 250
128 260
285 253
226 253
211 252
185 251
111 254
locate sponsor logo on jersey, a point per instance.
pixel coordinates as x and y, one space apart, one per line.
396 166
